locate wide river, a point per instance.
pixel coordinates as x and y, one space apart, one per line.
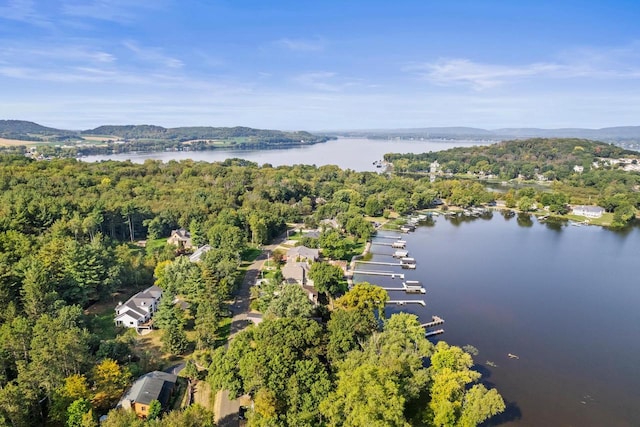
349 153
565 300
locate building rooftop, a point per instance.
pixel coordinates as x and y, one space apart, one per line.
154 385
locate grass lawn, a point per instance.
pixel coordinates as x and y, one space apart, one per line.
250 254
151 344
203 395
605 220
100 318
155 244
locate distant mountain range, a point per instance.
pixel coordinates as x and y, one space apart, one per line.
610 134
151 137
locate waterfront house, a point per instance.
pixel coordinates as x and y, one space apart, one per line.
587 211
152 386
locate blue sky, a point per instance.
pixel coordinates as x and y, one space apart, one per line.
320 65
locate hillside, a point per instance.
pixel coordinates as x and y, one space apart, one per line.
625 136
202 132
110 139
554 157
30 131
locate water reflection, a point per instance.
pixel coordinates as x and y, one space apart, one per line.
524 220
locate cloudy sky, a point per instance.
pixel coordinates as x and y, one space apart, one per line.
320 65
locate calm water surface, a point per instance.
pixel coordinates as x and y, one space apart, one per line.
349 153
565 299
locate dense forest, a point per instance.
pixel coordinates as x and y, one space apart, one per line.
75 236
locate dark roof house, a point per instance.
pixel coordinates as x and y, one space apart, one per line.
152 386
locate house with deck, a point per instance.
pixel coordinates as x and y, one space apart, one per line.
137 311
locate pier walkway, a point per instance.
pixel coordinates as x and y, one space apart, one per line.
380 273
435 320
409 301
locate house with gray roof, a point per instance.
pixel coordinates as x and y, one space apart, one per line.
300 253
137 311
152 386
297 273
587 211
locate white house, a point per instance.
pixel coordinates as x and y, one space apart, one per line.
588 211
434 167
138 309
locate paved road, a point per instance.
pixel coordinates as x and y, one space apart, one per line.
226 410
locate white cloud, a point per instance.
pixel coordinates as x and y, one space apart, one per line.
480 76
301 45
24 11
325 81
153 55
580 63
119 11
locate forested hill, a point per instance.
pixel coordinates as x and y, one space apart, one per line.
201 132
556 156
29 131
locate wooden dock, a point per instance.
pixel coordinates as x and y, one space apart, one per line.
432 333
394 264
389 237
408 291
435 320
380 273
409 301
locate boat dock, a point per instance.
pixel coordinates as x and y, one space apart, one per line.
400 254
395 264
432 333
435 320
410 301
389 237
380 273
404 289
398 244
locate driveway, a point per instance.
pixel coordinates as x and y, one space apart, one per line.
227 410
